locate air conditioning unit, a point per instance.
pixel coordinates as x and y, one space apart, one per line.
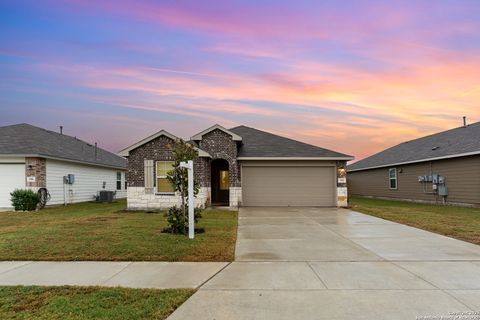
105 196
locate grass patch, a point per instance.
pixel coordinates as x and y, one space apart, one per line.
96 231
456 222
89 302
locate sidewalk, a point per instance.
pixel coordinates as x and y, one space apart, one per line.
158 275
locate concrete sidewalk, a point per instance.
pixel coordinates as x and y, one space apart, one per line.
158 275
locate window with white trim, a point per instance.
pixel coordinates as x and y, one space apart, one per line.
119 180
162 168
392 178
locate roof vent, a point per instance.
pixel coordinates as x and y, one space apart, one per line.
464 121
435 148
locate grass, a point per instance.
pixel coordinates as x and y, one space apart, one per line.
89 302
94 231
456 222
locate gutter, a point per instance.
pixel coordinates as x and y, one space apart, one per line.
458 155
296 158
64 159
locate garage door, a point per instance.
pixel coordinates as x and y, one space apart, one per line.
12 176
288 186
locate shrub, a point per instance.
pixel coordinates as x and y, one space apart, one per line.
176 221
24 199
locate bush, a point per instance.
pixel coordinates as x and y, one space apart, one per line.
176 223
24 199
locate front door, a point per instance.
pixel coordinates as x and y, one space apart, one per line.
220 183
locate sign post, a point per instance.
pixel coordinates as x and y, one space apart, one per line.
191 219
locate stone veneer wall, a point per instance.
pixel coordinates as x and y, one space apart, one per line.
36 167
138 200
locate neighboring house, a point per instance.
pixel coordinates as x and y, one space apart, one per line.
443 167
238 166
32 157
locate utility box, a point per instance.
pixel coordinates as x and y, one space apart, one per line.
69 179
105 196
442 191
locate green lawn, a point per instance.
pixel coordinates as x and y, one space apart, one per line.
89 303
456 222
95 231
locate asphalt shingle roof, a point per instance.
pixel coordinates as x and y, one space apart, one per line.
25 139
448 143
257 143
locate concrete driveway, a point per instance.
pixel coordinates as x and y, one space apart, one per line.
312 263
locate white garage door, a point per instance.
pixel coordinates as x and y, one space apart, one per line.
288 186
12 176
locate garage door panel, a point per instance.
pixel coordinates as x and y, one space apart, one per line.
288 186
12 176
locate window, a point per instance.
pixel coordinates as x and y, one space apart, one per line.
162 169
224 180
392 177
119 180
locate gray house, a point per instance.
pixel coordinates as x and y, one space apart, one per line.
440 168
238 166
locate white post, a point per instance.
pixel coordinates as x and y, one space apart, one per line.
191 223
191 218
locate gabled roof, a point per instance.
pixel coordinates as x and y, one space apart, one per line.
125 152
452 143
257 144
199 136
27 140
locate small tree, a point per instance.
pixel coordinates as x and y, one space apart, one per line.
178 177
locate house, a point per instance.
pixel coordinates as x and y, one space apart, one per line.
440 168
238 166
32 157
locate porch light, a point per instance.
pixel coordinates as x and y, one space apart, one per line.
342 172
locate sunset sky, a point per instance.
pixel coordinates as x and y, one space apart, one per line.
352 76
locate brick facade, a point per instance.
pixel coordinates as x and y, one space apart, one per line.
157 150
221 146
37 168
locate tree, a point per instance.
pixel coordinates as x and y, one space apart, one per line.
178 177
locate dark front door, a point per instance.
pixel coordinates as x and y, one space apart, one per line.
220 183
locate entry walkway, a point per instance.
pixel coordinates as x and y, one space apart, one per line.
310 263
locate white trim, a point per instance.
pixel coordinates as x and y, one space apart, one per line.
126 152
198 136
390 179
163 193
295 158
65 159
458 155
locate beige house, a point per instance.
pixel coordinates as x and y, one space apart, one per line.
440 168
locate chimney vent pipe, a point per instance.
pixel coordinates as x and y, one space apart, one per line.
464 121
61 129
